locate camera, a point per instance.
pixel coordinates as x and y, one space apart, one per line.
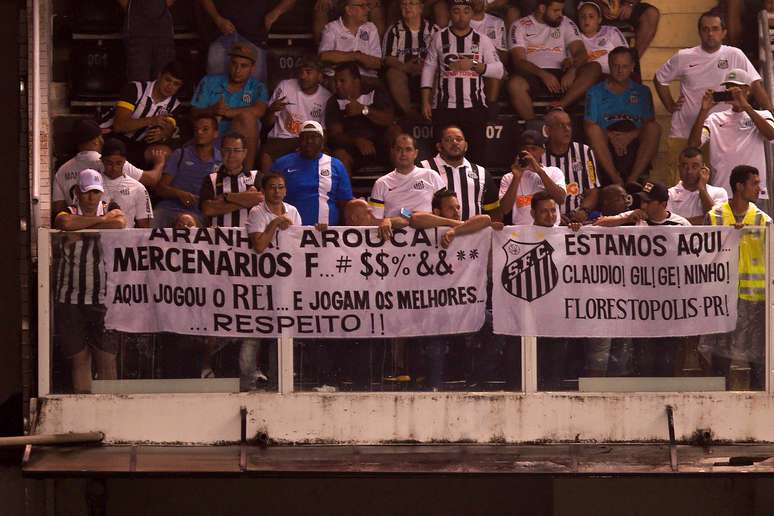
722 96
523 159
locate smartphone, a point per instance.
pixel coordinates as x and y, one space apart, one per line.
522 160
722 96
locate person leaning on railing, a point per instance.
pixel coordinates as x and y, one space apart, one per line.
743 349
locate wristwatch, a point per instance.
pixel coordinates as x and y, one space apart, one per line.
365 111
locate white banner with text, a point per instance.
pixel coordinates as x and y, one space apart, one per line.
340 283
614 282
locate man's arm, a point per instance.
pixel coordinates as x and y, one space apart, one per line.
760 95
665 95
707 102
261 240
522 65
224 26
114 219
124 123
578 52
150 178
281 8
630 217
246 199
426 220
508 198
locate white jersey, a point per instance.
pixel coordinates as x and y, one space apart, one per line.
734 140
602 43
492 27
688 204
66 178
699 71
300 108
131 196
260 215
546 46
335 36
395 191
672 219
529 185
458 89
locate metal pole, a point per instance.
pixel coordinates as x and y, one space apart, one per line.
529 364
285 366
44 312
70 438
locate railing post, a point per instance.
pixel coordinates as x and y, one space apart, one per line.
769 379
44 312
529 364
285 365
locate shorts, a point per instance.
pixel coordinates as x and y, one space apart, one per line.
278 147
537 89
79 326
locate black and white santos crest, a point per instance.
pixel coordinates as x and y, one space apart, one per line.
529 272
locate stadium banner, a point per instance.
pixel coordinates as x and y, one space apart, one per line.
614 282
343 282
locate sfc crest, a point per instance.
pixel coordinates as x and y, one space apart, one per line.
529 272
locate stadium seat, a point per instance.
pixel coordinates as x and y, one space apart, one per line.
502 137
97 68
97 17
183 16
423 135
188 53
283 59
296 21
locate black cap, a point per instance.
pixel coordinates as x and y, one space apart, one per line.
113 147
532 137
654 192
86 130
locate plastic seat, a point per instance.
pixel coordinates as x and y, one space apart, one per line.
97 68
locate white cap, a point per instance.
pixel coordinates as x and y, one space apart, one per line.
312 126
90 179
737 76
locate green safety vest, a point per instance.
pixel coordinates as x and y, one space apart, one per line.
752 262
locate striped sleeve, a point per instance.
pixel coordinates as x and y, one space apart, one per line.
390 49
130 96
490 200
376 200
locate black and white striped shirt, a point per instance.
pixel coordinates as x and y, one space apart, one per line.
80 276
580 172
473 185
401 43
459 89
136 97
219 183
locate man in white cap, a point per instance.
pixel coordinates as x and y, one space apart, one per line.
80 281
736 136
317 184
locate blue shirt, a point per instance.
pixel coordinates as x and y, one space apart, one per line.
188 173
312 189
212 87
605 108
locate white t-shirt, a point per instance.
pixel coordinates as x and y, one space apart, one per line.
602 43
493 28
260 215
530 184
546 46
66 177
688 204
131 196
395 191
672 219
335 36
698 72
734 140
300 108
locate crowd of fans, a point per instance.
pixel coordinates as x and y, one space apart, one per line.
443 62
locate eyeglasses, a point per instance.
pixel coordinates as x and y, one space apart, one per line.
232 150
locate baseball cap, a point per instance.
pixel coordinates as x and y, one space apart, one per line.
243 50
596 6
532 137
86 130
738 77
312 126
654 192
90 179
113 147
